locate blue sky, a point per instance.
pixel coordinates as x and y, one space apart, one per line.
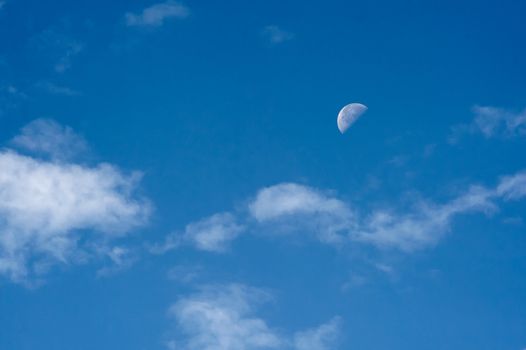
172 177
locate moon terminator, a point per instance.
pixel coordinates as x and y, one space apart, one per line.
349 115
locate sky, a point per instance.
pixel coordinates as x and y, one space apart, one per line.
172 175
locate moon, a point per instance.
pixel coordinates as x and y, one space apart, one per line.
349 115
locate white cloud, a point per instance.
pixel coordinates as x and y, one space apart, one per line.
293 206
421 225
157 14
47 137
512 187
424 224
288 199
276 35
224 317
213 233
324 337
54 212
492 122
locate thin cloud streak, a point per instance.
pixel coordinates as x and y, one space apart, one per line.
212 234
57 89
492 122
156 15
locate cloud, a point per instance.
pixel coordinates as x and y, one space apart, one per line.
492 122
47 137
224 317
294 208
276 35
57 89
185 273
156 15
57 212
121 258
324 337
15 92
212 234
57 47
289 199
423 224
11 97
512 187
2 4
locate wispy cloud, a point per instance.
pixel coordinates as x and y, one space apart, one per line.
512 187
156 15
121 258
212 234
224 317
324 337
423 224
55 89
57 47
185 273
295 208
47 137
492 122
276 35
15 92
49 211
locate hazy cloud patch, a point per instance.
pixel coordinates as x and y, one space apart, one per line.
57 47
492 122
156 15
49 138
276 35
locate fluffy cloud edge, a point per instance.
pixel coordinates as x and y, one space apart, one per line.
225 317
57 212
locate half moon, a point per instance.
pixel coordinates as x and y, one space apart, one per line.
349 115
